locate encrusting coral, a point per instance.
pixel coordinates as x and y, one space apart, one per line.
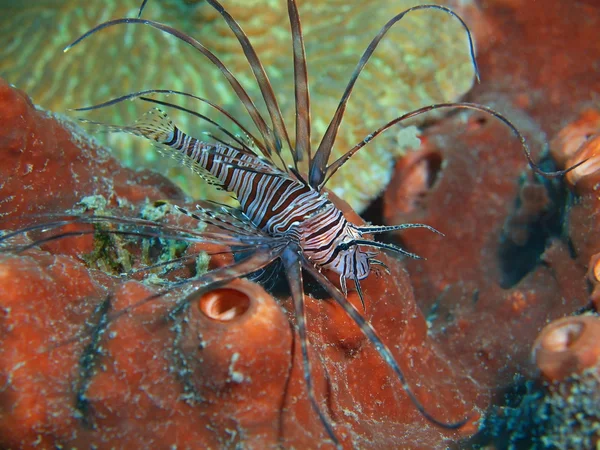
225 371
424 61
518 250
518 253
561 409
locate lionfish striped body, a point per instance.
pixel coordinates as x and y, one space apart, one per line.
273 201
283 214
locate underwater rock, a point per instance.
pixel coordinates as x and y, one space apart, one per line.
503 268
90 358
49 164
423 60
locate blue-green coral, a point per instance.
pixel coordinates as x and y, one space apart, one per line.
424 60
561 416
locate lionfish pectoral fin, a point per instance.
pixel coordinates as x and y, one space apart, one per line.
360 293
376 262
383 350
385 228
293 270
320 172
222 219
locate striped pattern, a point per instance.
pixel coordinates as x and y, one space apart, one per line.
274 202
301 227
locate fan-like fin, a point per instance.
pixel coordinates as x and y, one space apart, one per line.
260 74
319 164
234 83
293 270
222 219
302 149
131 227
374 338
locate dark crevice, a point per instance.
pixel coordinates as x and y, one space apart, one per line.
434 165
513 422
518 257
374 212
271 278
88 362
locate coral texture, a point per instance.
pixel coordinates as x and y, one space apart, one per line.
482 284
518 250
224 371
424 60
44 152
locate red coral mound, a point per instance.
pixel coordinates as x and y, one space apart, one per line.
504 267
91 360
48 164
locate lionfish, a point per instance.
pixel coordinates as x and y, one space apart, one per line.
284 214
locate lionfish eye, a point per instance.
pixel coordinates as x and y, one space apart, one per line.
224 305
344 246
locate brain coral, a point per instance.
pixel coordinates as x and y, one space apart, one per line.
424 60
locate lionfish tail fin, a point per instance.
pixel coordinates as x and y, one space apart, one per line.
154 125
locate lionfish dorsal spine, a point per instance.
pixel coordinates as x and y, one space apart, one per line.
218 163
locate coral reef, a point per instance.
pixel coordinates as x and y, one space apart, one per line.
504 267
519 252
517 248
568 346
563 410
89 359
424 60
